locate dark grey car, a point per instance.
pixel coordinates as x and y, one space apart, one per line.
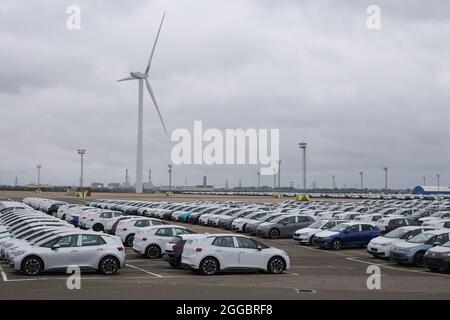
284 226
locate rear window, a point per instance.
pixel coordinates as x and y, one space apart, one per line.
224 242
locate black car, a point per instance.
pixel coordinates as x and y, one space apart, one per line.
173 257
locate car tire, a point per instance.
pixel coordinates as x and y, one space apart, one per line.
153 251
98 227
209 266
274 233
418 258
63 217
434 269
336 244
129 240
311 240
108 265
32 266
174 264
276 265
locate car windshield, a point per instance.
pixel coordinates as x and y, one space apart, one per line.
340 227
396 234
421 238
317 225
437 214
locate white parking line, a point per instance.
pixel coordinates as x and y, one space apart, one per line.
148 272
384 265
4 277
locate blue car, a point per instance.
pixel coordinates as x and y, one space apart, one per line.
348 234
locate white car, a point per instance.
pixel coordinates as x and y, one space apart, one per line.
4 233
98 220
435 216
240 223
127 229
437 223
62 210
392 222
213 253
87 250
305 235
380 247
151 241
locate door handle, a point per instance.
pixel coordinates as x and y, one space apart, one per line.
100 249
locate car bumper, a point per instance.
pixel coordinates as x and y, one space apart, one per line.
302 238
401 257
225 224
323 243
379 251
437 262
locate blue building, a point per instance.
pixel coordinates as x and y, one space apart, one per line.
444 190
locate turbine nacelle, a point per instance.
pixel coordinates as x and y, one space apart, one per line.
138 75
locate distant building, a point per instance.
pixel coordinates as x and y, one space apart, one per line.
97 185
114 185
431 190
205 181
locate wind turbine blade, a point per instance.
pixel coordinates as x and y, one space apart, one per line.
127 78
154 45
152 95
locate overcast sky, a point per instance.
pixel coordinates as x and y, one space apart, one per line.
361 98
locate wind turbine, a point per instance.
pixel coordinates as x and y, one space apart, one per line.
144 77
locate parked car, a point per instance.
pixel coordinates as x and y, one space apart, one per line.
98 221
347 234
252 226
306 235
87 250
413 250
393 222
435 216
239 224
380 247
213 253
174 248
151 241
438 257
284 226
127 229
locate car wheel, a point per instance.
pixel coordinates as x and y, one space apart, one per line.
274 234
129 240
98 227
276 265
63 217
108 265
209 266
174 264
418 259
311 240
32 266
433 269
153 251
336 244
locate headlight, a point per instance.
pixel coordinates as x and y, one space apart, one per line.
386 244
19 253
446 254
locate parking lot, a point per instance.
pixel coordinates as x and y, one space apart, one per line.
314 274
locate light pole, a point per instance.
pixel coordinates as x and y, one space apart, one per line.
39 166
259 179
170 176
438 182
81 152
424 181
279 173
361 175
334 182
385 178
302 145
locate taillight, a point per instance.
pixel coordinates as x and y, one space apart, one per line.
120 248
144 239
198 250
92 219
124 229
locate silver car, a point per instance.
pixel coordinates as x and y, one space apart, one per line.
87 250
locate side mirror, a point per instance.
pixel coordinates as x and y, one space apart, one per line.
259 248
436 244
56 246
